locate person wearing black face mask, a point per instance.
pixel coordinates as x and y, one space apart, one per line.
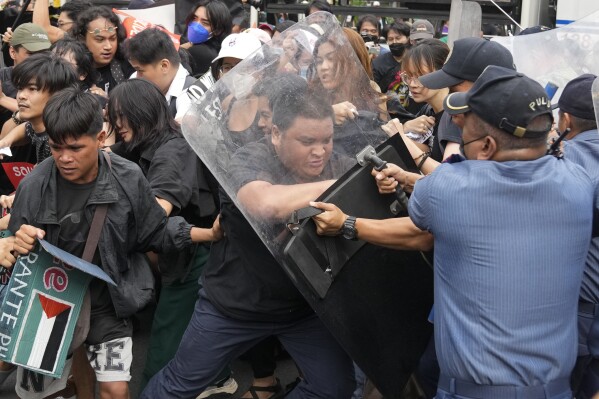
386 67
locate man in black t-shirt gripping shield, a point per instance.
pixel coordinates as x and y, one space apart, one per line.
247 296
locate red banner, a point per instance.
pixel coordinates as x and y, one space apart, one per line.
16 171
133 26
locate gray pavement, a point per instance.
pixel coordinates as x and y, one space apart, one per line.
286 371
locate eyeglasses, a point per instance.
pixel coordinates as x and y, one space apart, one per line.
410 79
63 23
97 31
469 142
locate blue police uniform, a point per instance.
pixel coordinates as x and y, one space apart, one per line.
511 239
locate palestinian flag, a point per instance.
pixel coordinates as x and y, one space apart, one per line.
43 332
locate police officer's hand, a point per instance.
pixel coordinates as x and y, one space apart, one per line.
387 179
26 237
7 258
329 222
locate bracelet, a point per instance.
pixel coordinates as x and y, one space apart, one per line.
424 157
15 118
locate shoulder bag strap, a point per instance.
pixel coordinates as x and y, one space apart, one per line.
96 227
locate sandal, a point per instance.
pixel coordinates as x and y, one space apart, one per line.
277 391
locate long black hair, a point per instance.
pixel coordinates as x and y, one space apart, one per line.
148 120
93 13
81 55
49 72
219 15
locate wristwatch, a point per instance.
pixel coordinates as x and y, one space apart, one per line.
349 228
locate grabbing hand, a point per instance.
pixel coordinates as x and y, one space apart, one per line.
6 201
26 237
329 222
389 178
7 36
420 125
344 111
217 232
7 258
393 127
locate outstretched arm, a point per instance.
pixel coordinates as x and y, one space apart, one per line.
274 201
397 233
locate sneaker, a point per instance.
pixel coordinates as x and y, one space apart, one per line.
228 385
5 374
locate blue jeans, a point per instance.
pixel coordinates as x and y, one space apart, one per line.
212 340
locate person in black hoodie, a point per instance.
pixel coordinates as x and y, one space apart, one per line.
208 23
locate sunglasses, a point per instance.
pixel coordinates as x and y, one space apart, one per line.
97 31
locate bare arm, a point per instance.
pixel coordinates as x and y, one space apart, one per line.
397 233
7 102
214 233
451 149
14 136
41 17
268 201
198 234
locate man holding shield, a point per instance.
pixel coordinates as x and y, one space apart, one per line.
247 295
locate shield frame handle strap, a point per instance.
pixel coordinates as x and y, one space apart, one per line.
465 20
321 259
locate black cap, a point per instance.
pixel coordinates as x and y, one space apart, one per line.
504 98
577 97
468 59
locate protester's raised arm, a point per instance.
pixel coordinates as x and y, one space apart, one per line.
41 17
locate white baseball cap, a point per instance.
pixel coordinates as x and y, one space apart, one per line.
259 34
238 45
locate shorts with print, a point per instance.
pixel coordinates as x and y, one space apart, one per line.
111 360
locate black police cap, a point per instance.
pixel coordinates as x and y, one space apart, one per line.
504 98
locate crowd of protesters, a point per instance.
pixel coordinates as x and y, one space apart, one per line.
513 232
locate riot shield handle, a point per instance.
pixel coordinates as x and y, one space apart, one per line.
299 215
368 156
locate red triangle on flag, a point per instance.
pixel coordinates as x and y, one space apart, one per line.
51 307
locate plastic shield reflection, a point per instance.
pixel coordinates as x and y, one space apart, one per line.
244 128
557 55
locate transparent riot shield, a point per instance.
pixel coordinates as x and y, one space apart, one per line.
465 19
284 127
558 55
229 131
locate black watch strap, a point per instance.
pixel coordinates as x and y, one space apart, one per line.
349 228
